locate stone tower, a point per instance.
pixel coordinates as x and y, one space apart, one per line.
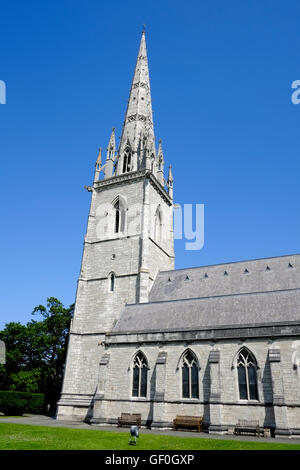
129 239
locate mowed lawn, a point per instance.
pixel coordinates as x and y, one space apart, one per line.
28 437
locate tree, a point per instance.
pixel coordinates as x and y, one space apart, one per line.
36 353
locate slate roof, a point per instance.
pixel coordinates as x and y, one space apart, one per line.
239 309
260 275
258 292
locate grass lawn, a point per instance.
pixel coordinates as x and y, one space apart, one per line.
28 437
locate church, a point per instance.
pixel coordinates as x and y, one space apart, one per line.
219 341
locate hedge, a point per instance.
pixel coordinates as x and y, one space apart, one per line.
17 403
36 404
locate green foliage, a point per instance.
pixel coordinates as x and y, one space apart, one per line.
36 404
17 403
36 352
14 403
26 380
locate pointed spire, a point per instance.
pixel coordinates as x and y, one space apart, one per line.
170 182
138 123
160 155
110 157
99 159
111 148
170 176
98 165
160 163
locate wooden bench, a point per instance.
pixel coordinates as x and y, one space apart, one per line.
245 426
129 419
188 422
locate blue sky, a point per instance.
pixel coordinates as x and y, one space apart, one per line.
221 74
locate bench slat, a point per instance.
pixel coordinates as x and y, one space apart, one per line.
248 426
130 418
188 421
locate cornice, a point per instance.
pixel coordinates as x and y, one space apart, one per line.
132 176
117 179
267 330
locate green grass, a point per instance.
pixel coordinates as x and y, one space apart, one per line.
29 437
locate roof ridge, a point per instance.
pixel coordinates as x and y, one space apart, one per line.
213 297
229 262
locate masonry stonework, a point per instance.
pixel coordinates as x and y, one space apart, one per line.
238 322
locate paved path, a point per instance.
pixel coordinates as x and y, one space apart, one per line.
40 420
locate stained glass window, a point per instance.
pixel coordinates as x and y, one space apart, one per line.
247 376
140 372
190 376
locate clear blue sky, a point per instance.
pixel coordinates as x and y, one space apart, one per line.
221 74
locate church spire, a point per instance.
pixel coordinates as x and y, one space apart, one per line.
110 157
170 182
111 148
160 163
98 165
137 144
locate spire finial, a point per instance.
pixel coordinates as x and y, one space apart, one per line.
98 161
112 142
144 29
98 165
170 182
138 117
110 156
160 154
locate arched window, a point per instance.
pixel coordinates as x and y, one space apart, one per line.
112 279
127 161
119 216
157 225
190 376
140 371
247 377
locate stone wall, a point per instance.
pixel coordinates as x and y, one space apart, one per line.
219 401
132 256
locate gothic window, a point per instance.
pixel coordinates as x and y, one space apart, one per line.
247 377
119 216
112 279
190 376
140 371
157 225
127 161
